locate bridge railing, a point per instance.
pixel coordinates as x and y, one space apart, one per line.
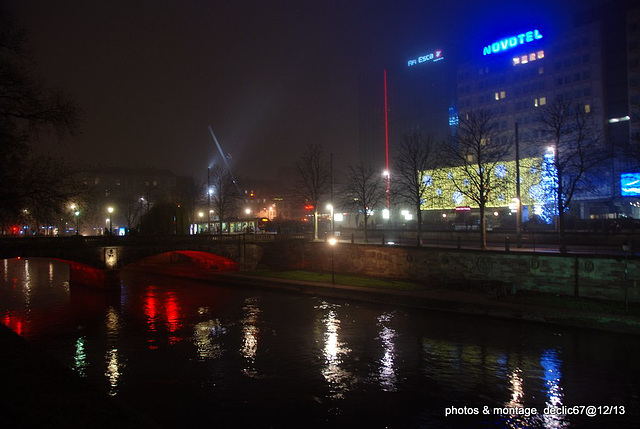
140 240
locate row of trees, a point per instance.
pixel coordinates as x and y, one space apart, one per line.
475 151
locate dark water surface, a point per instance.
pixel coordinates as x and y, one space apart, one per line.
191 354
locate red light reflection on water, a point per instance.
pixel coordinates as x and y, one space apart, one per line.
162 309
15 323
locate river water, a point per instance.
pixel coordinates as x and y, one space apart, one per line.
192 354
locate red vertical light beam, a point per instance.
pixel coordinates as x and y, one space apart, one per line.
386 134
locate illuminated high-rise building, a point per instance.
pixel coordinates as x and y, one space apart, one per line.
592 59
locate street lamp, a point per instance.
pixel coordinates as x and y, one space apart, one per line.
386 174
332 243
77 213
110 210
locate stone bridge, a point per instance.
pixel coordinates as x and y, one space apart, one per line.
97 260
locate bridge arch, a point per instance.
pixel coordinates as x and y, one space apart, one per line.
200 260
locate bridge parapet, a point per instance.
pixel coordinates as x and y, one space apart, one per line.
109 254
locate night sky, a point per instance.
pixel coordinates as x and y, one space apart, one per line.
268 76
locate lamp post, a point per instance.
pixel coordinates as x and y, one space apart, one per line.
332 243
110 210
208 200
625 248
386 175
77 213
333 230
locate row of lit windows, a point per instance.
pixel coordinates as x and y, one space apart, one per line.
527 58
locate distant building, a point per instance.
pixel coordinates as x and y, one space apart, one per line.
129 192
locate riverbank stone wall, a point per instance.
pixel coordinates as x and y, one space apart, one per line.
593 276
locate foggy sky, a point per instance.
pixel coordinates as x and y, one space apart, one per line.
268 76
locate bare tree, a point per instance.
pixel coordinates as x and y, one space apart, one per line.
363 190
27 109
577 154
414 159
225 195
313 179
473 155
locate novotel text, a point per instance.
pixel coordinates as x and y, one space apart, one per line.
433 57
512 42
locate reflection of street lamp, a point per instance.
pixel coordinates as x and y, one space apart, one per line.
110 210
332 243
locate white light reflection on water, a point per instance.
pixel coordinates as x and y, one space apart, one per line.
516 401
206 339
334 351
550 362
517 391
113 372
388 379
27 285
50 274
6 270
113 324
250 335
114 360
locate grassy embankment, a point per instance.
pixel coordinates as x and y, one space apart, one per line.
340 279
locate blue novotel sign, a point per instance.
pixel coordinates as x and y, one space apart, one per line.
512 42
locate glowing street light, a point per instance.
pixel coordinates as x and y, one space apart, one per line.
387 176
110 210
76 212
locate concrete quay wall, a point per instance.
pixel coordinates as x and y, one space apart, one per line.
593 276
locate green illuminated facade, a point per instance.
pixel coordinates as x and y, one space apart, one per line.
442 193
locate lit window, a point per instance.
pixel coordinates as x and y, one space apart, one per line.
532 57
524 59
469 158
543 101
503 94
497 95
535 102
540 54
516 61
587 108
